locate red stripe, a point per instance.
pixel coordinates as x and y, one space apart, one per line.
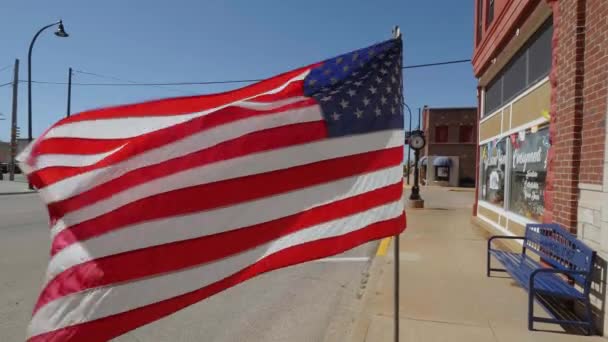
110 327
228 192
77 145
153 260
156 139
186 104
251 143
91 146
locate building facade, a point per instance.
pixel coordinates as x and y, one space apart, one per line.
448 158
542 69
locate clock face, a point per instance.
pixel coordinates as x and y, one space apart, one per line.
417 142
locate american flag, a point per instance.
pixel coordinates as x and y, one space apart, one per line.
155 206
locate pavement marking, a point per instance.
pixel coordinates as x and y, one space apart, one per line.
344 259
383 247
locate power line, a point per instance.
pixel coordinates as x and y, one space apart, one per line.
5 84
125 80
436 64
6 67
160 84
148 84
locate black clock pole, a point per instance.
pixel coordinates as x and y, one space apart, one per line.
415 195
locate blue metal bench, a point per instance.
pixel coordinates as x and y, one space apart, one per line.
566 256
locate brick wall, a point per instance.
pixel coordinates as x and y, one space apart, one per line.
594 91
567 110
579 104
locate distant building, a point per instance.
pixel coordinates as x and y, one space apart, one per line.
448 159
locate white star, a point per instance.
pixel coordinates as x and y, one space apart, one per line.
359 113
393 109
358 83
388 63
349 81
373 89
397 99
375 65
351 92
388 89
393 79
383 100
382 55
336 116
365 101
344 103
378 111
378 80
334 80
326 98
355 73
384 71
312 82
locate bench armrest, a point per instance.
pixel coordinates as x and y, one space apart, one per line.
504 237
554 271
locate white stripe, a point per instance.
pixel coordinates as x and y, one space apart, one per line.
185 227
344 259
238 167
77 184
109 300
73 160
129 127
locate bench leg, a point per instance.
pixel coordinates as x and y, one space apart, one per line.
589 317
531 309
488 264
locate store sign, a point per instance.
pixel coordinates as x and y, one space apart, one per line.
528 173
523 158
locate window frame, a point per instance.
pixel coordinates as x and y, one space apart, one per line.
498 80
490 4
447 134
471 135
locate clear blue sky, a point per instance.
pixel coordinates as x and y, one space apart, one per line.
171 41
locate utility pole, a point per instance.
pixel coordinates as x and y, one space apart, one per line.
69 93
11 167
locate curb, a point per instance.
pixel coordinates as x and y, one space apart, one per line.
18 193
358 323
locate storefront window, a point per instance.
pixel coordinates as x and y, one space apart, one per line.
493 172
528 173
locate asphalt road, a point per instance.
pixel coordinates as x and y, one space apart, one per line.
295 304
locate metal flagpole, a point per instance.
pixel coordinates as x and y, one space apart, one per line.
11 167
397 34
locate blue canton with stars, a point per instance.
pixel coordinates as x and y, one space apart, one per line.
361 91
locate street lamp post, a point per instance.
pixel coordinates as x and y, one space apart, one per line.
59 33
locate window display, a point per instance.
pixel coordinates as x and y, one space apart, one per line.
528 173
493 170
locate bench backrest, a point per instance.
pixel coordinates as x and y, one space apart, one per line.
559 248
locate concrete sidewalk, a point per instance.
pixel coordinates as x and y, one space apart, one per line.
18 186
445 294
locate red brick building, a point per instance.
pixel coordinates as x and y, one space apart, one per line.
448 157
542 67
